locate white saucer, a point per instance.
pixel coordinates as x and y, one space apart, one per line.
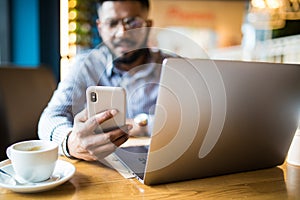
63 172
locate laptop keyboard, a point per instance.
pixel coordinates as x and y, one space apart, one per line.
134 158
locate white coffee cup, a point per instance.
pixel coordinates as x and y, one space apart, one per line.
33 160
293 156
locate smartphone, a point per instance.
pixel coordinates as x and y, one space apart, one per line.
101 98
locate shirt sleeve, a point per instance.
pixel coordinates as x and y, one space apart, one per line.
57 119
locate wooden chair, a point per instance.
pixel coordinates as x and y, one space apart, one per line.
24 93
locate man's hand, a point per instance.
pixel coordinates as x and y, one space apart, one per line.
84 144
137 130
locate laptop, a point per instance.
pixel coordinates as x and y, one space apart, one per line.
216 117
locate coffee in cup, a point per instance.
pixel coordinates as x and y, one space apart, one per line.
33 160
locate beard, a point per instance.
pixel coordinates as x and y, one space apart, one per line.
131 57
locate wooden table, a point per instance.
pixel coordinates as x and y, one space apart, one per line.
96 181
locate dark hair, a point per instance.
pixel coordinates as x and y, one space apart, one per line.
145 3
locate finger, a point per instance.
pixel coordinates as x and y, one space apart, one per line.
117 133
106 143
106 146
102 151
81 116
121 140
96 120
106 115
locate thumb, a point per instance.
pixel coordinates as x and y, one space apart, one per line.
81 116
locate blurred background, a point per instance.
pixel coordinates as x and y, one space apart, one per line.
35 32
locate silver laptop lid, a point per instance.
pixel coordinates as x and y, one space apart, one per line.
219 117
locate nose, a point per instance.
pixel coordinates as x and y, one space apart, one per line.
120 30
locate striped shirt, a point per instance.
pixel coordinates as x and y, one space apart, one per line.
96 68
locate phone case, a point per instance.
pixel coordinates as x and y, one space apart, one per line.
101 98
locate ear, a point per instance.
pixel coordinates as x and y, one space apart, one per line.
98 23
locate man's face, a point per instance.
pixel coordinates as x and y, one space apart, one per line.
119 26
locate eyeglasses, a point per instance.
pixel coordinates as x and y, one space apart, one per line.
128 23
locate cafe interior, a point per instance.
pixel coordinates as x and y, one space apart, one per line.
39 40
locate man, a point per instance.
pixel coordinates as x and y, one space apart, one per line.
122 60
